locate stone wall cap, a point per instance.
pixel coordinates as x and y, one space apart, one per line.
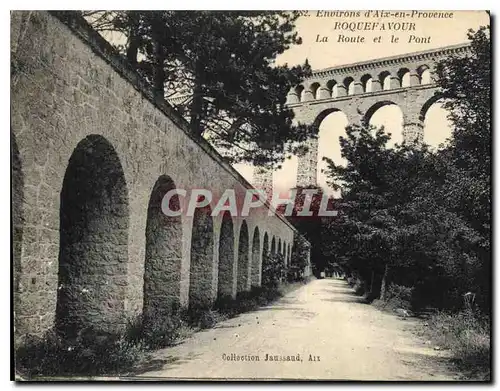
389 61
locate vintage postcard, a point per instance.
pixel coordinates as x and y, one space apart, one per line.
251 195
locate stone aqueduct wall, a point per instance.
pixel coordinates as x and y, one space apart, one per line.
314 99
93 154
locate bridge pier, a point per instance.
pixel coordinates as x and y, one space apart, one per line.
413 124
395 82
292 98
358 88
413 132
376 86
264 181
341 90
307 168
414 79
324 93
308 95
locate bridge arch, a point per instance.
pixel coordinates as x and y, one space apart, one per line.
331 85
427 105
299 91
255 269
225 279
374 108
367 83
385 80
162 266
202 258
322 115
404 77
265 244
349 85
424 74
436 124
331 125
314 90
94 221
243 261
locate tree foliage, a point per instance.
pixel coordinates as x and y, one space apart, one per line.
273 269
220 68
418 218
466 87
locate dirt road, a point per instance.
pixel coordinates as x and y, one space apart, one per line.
323 326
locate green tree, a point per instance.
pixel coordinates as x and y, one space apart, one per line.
367 204
395 224
465 83
418 218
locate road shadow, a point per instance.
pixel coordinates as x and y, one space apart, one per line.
344 295
287 301
225 326
432 364
279 308
160 364
348 299
346 289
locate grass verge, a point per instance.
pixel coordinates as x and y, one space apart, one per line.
467 335
93 353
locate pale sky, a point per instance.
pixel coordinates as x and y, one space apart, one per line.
442 32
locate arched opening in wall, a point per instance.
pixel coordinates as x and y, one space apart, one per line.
162 265
243 262
366 81
388 115
314 90
265 244
226 257
202 258
404 77
289 254
265 250
256 257
349 85
93 230
280 249
17 197
273 246
385 80
299 90
331 124
438 129
425 74
332 87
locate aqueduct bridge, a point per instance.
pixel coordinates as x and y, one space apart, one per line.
93 153
360 89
